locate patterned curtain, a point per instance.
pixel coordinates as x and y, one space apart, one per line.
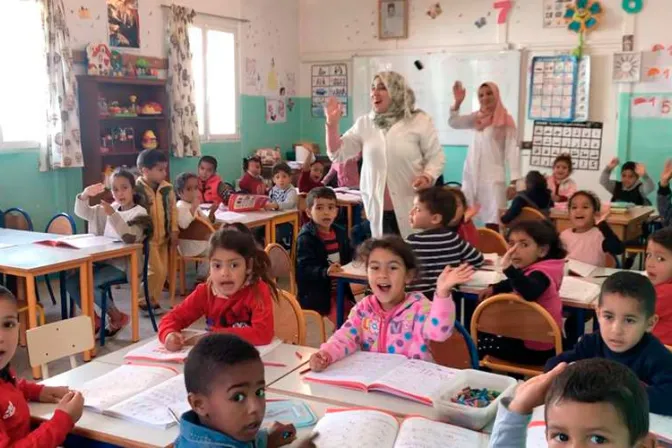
184 132
62 146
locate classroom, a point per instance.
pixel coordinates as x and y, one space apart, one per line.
308 223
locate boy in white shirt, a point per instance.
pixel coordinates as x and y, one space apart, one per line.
188 207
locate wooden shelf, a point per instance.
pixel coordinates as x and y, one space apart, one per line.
125 153
124 80
137 117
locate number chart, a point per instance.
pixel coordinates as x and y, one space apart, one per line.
328 80
553 88
583 141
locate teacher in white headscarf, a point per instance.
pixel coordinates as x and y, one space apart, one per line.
400 152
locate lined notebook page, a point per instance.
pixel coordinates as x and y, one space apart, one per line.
122 383
419 378
156 351
580 268
360 367
356 428
578 290
151 406
420 432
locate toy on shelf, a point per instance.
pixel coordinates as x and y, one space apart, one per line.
130 70
116 110
98 59
134 106
149 140
117 64
151 108
103 107
106 143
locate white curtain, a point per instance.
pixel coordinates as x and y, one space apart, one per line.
184 122
62 147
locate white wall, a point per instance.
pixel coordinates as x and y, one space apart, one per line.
334 31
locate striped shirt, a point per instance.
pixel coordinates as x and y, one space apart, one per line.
436 249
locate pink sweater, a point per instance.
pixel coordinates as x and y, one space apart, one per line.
404 330
585 247
550 299
565 189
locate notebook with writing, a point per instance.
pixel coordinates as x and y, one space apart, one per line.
578 290
370 428
412 379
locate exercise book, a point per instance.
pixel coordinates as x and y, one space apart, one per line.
369 428
412 379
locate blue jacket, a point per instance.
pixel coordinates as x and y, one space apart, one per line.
194 435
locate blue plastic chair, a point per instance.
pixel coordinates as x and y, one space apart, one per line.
107 293
453 184
23 214
67 227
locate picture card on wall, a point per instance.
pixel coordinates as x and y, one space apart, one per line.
627 67
583 141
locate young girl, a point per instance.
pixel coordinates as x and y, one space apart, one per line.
536 195
237 298
125 219
590 238
15 429
659 270
534 267
463 223
188 208
406 321
252 182
562 187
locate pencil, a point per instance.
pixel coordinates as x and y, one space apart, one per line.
275 364
298 355
304 371
172 414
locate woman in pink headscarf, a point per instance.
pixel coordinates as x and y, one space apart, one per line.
495 145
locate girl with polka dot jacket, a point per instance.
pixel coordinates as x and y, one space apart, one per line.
391 320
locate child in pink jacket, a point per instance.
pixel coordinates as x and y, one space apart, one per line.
391 321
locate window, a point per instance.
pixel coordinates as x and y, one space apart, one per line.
215 68
23 81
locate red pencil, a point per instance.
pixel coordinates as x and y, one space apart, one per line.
304 371
275 364
298 355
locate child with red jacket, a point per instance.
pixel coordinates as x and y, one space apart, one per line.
14 393
463 222
311 175
659 271
211 188
252 182
237 298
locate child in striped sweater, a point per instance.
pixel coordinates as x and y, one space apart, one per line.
436 246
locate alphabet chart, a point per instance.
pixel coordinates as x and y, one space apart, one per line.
583 141
552 95
328 80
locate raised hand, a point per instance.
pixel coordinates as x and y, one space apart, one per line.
333 111
640 169
93 191
506 259
614 163
666 175
451 277
603 217
532 392
459 93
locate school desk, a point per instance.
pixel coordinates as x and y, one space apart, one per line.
352 273
627 226
350 202
29 261
283 354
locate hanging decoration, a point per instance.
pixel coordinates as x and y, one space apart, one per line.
633 6
583 16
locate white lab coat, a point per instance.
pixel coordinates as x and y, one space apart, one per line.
484 173
393 158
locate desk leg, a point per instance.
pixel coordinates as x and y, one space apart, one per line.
31 298
172 274
349 210
135 322
295 222
86 293
269 230
580 323
23 317
340 301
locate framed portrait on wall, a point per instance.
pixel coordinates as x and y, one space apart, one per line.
392 19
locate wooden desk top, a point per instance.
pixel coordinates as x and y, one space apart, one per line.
635 213
34 258
352 271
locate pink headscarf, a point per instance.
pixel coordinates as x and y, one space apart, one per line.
498 117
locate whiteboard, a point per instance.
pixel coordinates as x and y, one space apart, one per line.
433 86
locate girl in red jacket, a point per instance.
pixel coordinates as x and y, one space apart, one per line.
14 393
659 271
462 222
237 298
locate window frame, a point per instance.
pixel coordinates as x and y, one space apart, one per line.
206 24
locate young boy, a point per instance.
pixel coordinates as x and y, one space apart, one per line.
626 313
311 175
224 378
283 197
635 184
659 271
594 401
188 208
437 246
321 249
211 188
252 182
162 209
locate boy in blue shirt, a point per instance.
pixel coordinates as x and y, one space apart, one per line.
626 313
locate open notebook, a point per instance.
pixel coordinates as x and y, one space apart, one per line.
142 394
156 351
660 426
393 374
578 290
483 279
369 428
79 241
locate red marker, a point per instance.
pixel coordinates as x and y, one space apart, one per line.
304 371
298 355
